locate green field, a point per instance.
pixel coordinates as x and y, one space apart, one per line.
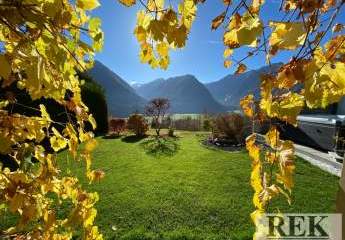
197 193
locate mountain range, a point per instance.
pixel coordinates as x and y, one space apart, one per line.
121 98
232 88
186 93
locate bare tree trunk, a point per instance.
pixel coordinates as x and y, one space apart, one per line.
341 199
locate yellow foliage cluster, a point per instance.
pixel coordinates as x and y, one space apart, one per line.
41 50
160 28
312 78
247 105
278 154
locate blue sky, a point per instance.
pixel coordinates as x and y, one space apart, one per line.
202 57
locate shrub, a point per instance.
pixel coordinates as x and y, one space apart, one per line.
188 123
137 124
171 132
161 145
207 124
230 127
117 125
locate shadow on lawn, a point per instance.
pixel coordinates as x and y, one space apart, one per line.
111 136
132 138
156 146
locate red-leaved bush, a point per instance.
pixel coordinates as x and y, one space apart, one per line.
137 124
230 127
117 125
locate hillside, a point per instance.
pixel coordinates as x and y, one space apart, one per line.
230 89
186 93
121 98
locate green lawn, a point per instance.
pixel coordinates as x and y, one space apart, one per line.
197 193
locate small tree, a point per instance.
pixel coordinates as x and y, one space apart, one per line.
137 124
117 125
157 108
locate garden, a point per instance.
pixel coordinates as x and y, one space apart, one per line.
150 176
196 193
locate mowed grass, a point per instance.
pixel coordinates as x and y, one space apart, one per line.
198 193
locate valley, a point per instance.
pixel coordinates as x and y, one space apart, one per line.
186 93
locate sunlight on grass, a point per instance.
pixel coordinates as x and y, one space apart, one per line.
196 193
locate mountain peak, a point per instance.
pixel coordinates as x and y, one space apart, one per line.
230 89
122 99
186 77
186 93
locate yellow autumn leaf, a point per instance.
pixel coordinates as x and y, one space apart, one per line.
164 62
249 28
5 145
155 5
88 4
256 183
256 216
57 141
89 217
247 105
335 73
170 16
271 157
256 4
228 52
292 73
325 83
93 122
5 69
335 49
16 202
328 4
44 113
143 19
178 36
155 29
241 68
96 175
287 35
93 234
4 104
338 27
84 136
90 145
217 21
187 10
287 108
253 149
140 34
146 53
127 3
163 49
227 63
286 165
272 137
60 39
